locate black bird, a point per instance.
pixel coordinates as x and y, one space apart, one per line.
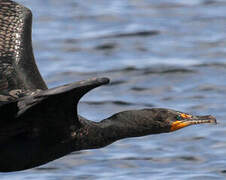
38 124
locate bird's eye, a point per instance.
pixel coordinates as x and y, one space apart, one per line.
178 117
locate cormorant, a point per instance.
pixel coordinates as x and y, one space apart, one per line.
38 124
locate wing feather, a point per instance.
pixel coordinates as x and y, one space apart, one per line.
18 71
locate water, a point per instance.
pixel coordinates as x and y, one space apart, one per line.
165 53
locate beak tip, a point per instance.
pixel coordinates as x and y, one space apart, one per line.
213 119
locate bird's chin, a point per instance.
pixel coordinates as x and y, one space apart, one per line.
192 121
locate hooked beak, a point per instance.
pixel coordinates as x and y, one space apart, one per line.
190 120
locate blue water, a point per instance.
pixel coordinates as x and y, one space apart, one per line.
165 53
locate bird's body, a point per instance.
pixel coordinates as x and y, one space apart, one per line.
38 124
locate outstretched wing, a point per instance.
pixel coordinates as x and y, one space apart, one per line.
63 98
51 112
18 71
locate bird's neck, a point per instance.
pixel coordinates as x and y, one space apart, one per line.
122 125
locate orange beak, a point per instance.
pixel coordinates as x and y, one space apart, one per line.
190 120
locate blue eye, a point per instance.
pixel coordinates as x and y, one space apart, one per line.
178 117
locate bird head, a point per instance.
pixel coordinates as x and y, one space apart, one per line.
172 120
